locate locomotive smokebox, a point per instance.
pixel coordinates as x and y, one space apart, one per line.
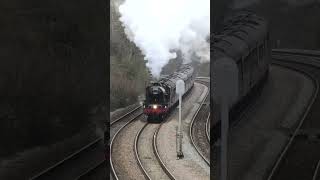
225 78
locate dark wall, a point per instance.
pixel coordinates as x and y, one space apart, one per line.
53 67
292 25
219 10
53 50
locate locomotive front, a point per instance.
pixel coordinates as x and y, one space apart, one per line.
155 106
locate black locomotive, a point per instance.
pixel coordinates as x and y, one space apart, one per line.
161 95
245 40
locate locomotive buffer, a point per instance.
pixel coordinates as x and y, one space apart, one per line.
180 88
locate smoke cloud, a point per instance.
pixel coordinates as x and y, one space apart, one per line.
160 28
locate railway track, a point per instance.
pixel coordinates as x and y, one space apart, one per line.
300 157
207 101
120 122
316 174
208 128
147 155
199 128
141 159
122 156
58 169
116 127
98 170
126 115
144 155
96 164
142 136
166 143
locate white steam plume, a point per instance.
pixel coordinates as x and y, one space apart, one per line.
161 27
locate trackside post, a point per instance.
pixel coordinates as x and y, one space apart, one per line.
225 73
180 88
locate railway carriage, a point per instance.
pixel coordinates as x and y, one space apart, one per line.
245 40
161 96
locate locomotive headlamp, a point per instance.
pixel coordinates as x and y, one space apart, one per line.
154 106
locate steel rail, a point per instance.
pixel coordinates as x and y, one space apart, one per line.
136 140
191 131
71 156
116 121
91 170
207 127
114 174
125 115
83 149
314 95
302 52
316 171
156 152
199 78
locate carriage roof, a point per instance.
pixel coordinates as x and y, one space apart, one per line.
242 33
184 72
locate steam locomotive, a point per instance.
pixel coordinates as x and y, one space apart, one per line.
244 40
161 95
